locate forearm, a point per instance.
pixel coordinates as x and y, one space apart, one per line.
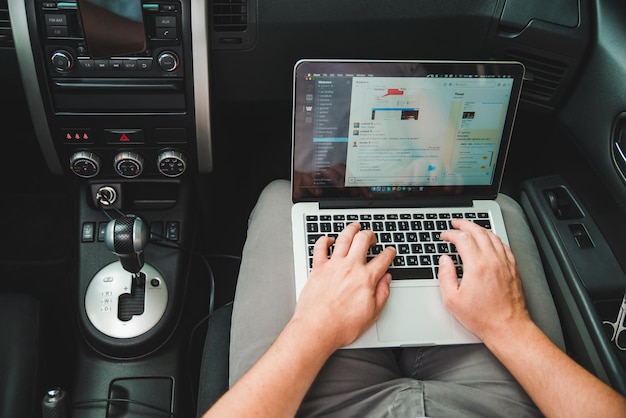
277 383
557 384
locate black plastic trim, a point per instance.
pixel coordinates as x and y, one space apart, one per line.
570 274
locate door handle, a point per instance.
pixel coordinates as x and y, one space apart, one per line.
619 144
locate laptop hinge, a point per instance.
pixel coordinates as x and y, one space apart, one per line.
408 203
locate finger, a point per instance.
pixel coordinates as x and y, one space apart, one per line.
361 243
382 292
509 253
464 241
320 249
469 238
502 251
480 234
448 279
382 261
344 240
512 263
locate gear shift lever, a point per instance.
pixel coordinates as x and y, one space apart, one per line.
126 237
118 305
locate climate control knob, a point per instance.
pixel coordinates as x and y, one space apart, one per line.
128 164
172 163
85 164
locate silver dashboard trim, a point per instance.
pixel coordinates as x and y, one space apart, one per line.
200 54
24 51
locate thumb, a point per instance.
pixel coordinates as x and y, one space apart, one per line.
382 291
448 280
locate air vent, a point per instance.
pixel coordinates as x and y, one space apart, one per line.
233 24
543 76
6 37
230 15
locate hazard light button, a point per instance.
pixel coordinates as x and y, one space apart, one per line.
124 136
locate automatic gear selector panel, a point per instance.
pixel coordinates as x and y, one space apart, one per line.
120 306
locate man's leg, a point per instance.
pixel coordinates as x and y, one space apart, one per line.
538 296
265 294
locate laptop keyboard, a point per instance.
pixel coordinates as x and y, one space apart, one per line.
415 235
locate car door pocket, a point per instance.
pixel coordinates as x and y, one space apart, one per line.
585 277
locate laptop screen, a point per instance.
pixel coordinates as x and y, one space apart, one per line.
382 130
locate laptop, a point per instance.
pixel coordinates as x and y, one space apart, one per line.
402 147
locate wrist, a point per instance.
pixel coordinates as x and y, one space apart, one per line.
503 338
308 335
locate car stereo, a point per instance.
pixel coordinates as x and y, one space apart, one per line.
88 43
118 93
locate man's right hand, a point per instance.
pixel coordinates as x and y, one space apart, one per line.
489 298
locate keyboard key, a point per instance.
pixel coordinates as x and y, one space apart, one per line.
459 272
411 273
398 261
485 223
311 239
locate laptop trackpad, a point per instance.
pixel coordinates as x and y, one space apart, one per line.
415 314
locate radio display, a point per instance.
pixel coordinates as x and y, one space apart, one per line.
112 27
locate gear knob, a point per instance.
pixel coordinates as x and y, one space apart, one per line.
127 237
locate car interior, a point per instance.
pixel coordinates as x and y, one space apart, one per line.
141 133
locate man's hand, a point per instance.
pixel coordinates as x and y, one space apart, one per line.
344 295
490 295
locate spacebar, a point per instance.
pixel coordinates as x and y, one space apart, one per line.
411 273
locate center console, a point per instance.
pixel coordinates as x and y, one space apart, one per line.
118 93
132 345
